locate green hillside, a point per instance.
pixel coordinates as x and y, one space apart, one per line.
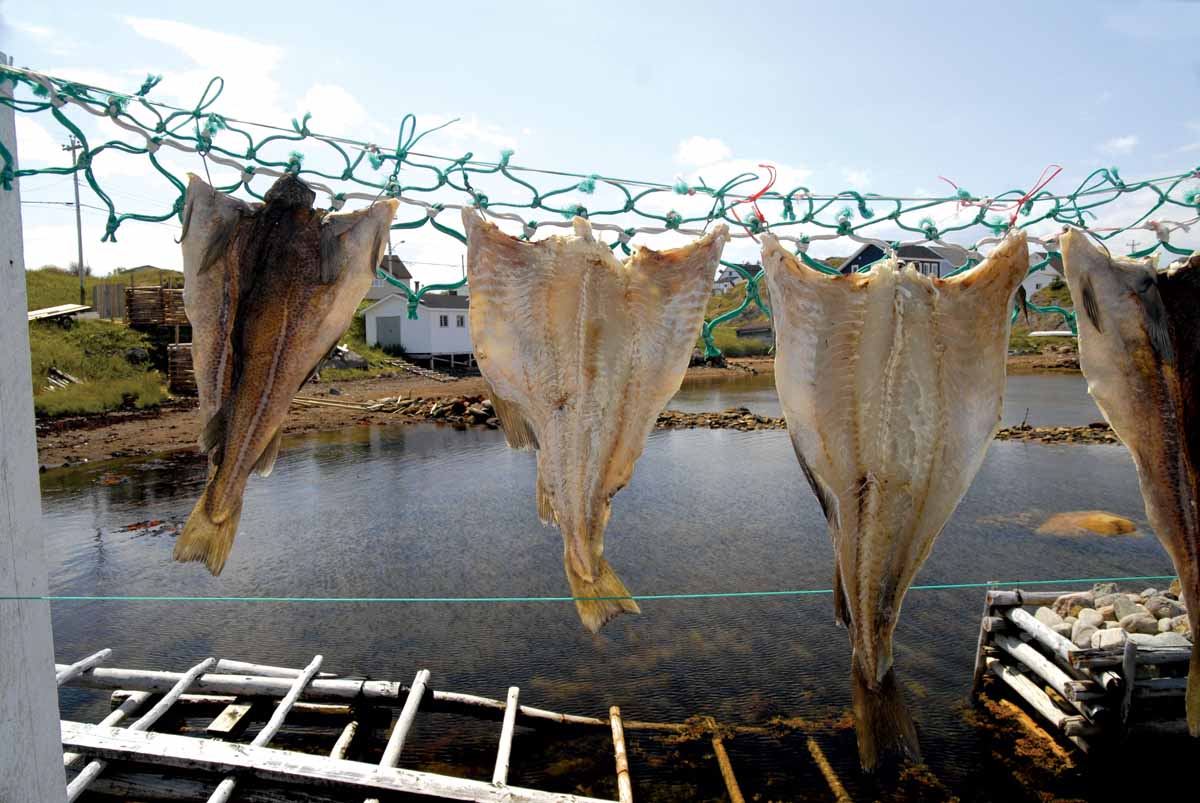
50 286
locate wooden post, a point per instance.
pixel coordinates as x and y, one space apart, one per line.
624 783
835 784
79 667
500 773
408 714
30 750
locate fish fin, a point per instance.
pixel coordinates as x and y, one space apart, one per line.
213 433
1156 321
825 497
205 540
333 228
1193 688
595 613
517 431
1090 307
188 204
841 605
544 507
1023 301
881 720
266 460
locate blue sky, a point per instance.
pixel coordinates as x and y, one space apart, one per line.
879 97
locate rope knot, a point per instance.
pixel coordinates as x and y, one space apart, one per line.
588 185
505 155
674 219
150 82
626 235
481 200
432 210
681 187
528 229
789 213
6 177
110 229
337 201
373 157
929 228
575 210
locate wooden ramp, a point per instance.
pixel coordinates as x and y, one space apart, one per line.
180 736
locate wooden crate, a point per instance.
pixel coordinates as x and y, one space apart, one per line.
181 376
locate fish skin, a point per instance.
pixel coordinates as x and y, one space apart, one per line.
298 274
581 353
1139 349
892 386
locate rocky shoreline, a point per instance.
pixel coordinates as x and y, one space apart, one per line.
477 411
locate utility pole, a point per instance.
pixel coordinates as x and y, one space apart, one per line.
72 147
1132 245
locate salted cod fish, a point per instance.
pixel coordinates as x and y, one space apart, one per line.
268 289
892 384
581 353
1139 348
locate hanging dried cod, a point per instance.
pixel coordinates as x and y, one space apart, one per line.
581 353
891 384
268 288
1139 348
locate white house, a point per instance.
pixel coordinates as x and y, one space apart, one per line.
1042 278
727 279
442 328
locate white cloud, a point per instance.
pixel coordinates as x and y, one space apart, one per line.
37 147
697 151
29 29
856 179
1123 144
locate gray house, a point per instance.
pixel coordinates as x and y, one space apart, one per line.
930 260
382 288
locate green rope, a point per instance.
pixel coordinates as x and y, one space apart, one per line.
637 597
401 172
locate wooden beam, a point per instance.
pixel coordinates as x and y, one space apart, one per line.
342 746
30 754
624 782
138 783
232 720
980 647
79 667
241 685
227 667
1037 699
835 784
89 773
222 700
1048 671
269 764
1114 657
224 790
128 706
408 715
731 784
500 773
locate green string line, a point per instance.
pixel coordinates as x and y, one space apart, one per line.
637 597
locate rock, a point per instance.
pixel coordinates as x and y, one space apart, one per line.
137 356
1163 608
1063 629
1148 593
1048 617
1180 624
1067 602
1140 623
1070 620
1171 640
493 422
343 357
1102 639
1143 640
334 392
1090 617
1112 625
1109 614
1082 636
1164 625
1104 600
1123 606
1086 521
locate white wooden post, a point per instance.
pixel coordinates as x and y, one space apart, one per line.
31 763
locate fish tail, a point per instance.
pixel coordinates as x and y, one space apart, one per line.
1193 684
207 540
881 719
595 613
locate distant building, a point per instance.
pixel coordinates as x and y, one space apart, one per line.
382 288
442 328
1036 281
931 260
729 278
762 332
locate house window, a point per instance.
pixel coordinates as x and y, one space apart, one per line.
443 321
460 321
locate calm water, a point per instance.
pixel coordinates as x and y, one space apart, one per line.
431 511
1052 400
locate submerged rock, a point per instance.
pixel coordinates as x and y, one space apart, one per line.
1086 521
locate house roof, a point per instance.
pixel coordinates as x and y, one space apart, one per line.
395 266
432 301
869 252
147 267
751 331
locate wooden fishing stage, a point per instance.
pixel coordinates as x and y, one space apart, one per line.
125 757
1089 696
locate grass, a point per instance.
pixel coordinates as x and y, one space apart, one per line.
51 286
725 335
93 352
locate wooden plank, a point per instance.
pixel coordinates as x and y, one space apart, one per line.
342 746
222 700
835 783
225 789
232 720
240 685
89 773
1057 645
129 706
1114 657
228 667
1129 673
79 667
1037 699
980 645
408 714
124 784
265 763
1048 671
30 754
500 773
726 766
624 782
